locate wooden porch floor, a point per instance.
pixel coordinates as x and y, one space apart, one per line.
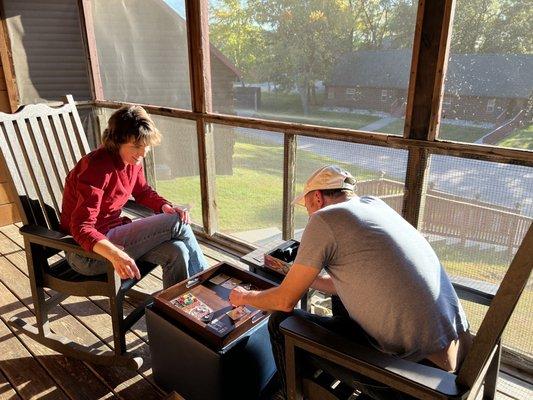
31 371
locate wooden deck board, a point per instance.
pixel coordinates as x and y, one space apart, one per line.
82 319
29 370
25 374
80 383
6 390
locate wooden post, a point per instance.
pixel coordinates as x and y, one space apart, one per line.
289 178
9 103
428 67
89 40
201 98
7 66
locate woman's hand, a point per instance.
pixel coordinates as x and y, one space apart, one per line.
181 211
125 265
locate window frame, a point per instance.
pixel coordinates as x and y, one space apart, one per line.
422 119
384 95
491 106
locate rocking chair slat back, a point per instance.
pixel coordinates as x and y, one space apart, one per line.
40 145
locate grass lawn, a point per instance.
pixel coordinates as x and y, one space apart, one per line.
465 134
522 139
250 198
519 328
287 107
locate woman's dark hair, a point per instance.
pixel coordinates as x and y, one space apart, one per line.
130 123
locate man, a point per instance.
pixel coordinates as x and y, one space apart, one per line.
396 293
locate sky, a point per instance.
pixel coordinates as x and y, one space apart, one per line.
179 5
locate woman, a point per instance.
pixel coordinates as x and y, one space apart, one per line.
97 189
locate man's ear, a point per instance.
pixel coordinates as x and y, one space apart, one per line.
320 199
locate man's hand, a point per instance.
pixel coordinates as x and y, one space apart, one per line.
237 296
125 265
280 298
181 211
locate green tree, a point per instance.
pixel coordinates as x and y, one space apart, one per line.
305 39
381 23
493 26
234 31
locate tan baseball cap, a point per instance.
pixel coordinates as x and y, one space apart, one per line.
328 177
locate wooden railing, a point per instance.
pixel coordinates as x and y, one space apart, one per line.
379 187
452 216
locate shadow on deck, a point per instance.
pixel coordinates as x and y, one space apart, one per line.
31 371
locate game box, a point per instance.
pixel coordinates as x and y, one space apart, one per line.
201 304
201 347
281 257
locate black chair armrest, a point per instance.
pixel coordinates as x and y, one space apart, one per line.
136 210
393 371
474 290
54 239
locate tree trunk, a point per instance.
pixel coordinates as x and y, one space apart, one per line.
302 90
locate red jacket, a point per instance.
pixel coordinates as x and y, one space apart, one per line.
95 192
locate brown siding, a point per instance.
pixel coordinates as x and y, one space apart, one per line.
465 107
365 98
475 108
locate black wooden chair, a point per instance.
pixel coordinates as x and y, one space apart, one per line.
311 348
40 144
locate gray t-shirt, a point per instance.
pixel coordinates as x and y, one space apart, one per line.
386 274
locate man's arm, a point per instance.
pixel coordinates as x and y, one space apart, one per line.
324 284
281 298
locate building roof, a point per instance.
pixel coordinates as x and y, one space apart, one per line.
485 75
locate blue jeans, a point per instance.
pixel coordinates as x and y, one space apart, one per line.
159 239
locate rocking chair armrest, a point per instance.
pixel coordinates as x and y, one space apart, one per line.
393 371
57 240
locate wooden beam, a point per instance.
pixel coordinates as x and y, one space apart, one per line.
201 99
428 66
89 40
8 214
442 147
415 186
7 65
289 179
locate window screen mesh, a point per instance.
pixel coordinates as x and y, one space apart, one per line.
379 171
142 52
331 63
249 183
476 215
490 74
47 49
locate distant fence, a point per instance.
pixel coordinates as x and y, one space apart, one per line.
380 187
456 217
